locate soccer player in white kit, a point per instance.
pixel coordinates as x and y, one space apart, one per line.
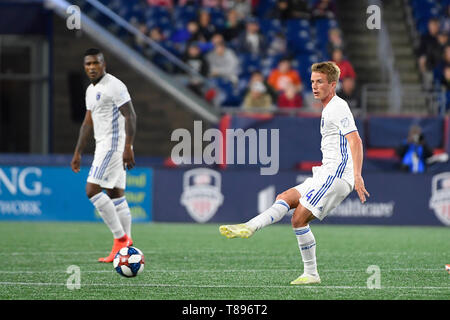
331 183
110 114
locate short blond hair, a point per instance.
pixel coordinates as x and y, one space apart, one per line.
329 68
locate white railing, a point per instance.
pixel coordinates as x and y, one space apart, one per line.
387 60
415 100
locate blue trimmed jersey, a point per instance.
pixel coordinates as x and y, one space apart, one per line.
104 100
337 121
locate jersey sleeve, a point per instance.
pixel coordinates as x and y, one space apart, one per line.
86 99
119 93
343 118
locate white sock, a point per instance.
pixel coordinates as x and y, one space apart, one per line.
274 214
124 214
307 246
107 211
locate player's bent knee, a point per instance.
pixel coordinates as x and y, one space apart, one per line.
92 190
291 196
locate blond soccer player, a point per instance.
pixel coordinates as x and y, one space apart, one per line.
331 183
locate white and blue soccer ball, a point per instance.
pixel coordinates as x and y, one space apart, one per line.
129 262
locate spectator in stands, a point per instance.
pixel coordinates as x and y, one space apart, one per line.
443 41
153 54
299 9
223 63
349 93
278 45
233 26
257 97
445 80
252 40
334 41
344 65
243 8
445 20
279 77
139 39
289 97
217 38
324 9
281 12
445 85
185 36
291 9
211 3
257 76
206 28
429 52
414 151
439 70
160 3
196 61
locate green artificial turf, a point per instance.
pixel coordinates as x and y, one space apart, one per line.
194 262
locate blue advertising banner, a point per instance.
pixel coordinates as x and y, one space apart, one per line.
36 193
235 196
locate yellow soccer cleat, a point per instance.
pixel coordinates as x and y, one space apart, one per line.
306 279
236 230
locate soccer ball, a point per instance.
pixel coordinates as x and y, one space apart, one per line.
129 262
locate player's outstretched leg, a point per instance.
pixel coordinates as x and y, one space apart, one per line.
245 230
307 246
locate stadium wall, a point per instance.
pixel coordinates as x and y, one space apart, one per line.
207 195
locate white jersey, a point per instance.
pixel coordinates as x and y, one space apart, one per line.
104 100
337 121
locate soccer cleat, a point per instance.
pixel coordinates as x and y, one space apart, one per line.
306 279
236 230
118 244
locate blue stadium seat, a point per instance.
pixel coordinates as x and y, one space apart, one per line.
184 14
249 63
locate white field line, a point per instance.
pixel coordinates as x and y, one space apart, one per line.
115 285
253 254
221 270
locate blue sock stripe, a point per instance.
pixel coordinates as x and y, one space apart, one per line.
96 197
284 203
302 231
119 201
308 247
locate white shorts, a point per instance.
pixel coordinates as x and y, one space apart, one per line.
107 170
322 193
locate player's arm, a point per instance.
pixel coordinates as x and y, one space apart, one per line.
356 148
127 111
85 133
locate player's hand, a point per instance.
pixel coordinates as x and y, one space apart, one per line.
76 162
361 189
128 157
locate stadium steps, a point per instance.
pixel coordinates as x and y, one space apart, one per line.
158 114
361 48
402 45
